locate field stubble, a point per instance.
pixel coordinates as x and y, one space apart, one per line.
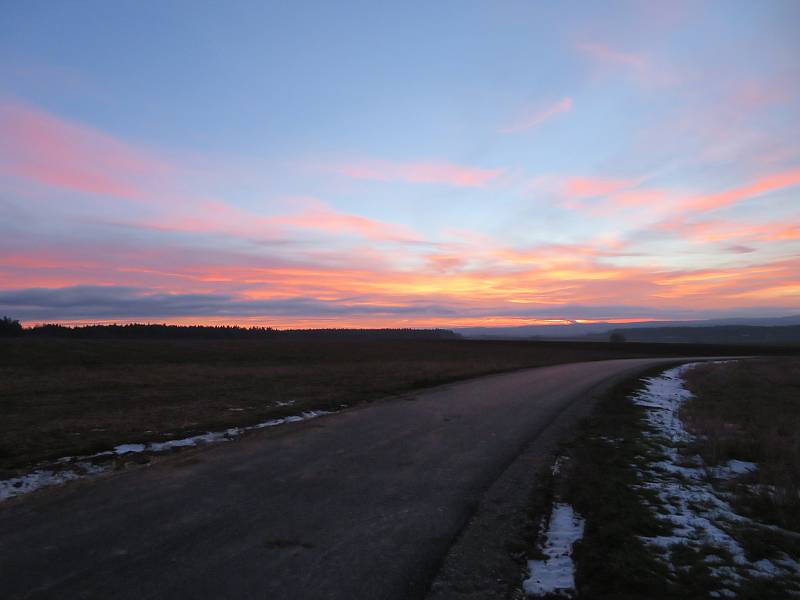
62 397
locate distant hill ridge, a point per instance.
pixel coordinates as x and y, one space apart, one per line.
717 334
580 330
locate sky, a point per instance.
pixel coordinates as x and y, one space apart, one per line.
399 164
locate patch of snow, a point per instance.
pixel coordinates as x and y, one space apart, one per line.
697 515
205 438
125 448
556 574
310 414
77 467
733 468
17 486
766 566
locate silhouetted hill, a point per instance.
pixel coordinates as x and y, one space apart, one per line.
579 330
721 334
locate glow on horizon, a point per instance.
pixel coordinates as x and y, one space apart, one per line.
321 323
527 164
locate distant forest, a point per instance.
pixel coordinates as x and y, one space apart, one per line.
12 328
788 335
718 334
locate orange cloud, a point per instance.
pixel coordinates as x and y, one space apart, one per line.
723 231
419 172
545 279
473 279
777 291
539 116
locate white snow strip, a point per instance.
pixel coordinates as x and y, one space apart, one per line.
77 467
733 468
16 486
125 448
556 574
696 513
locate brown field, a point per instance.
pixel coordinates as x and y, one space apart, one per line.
63 397
750 410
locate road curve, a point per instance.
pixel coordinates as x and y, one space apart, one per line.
358 505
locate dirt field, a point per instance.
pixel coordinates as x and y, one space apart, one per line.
62 397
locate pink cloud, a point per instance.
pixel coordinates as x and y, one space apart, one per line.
41 147
606 196
322 218
604 54
419 172
218 217
586 187
539 116
550 275
638 66
757 94
38 146
720 230
763 185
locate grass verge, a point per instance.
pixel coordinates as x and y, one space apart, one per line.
599 483
603 471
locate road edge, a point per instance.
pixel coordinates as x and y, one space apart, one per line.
480 563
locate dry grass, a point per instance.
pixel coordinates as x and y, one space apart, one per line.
750 410
612 561
63 397
746 411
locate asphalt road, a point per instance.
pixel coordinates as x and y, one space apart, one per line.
363 504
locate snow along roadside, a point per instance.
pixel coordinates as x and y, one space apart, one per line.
556 574
70 468
697 513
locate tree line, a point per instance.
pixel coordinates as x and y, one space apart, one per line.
12 328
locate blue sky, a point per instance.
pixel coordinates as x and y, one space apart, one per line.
417 163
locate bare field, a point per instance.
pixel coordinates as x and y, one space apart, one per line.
63 397
750 411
